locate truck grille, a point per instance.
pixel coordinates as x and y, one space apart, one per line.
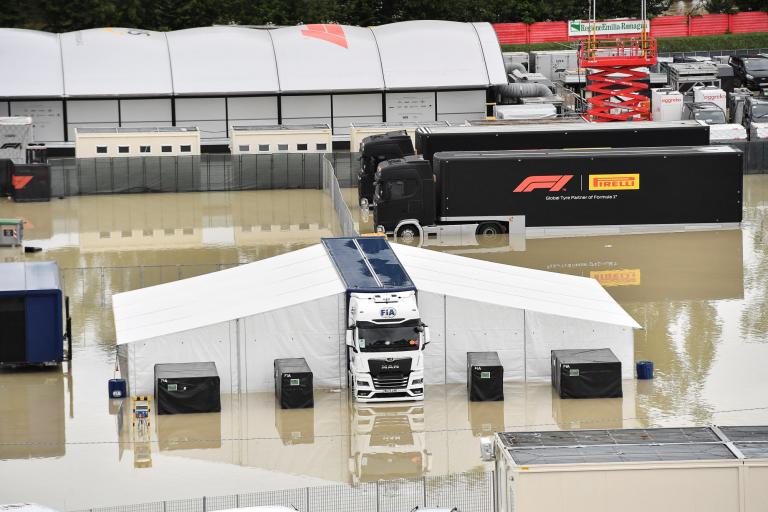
390 381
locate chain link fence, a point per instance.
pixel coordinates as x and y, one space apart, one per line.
199 173
469 492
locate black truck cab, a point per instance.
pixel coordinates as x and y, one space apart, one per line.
376 149
404 190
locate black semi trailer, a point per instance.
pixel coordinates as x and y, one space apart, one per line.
489 191
560 136
379 148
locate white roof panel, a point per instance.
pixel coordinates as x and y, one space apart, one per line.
115 62
431 54
494 61
293 278
327 58
514 287
215 60
30 64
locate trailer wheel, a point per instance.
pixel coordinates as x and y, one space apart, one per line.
408 232
489 229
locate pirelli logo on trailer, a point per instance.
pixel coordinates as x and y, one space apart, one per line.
614 182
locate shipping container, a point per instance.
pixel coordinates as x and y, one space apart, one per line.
182 388
31 314
293 383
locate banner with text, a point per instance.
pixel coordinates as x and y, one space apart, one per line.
582 28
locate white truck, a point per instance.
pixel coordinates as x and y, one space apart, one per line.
385 335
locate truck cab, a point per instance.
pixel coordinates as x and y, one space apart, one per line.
404 189
386 341
385 335
374 150
706 112
755 110
751 71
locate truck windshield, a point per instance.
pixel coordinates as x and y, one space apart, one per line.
760 111
710 116
381 338
756 65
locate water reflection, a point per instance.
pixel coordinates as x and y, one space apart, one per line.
486 418
387 441
32 413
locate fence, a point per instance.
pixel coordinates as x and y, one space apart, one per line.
332 188
469 492
203 173
661 26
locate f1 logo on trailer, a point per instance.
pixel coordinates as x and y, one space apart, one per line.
11 145
553 183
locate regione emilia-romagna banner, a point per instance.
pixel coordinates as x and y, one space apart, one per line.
581 28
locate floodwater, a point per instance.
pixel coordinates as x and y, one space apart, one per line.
701 296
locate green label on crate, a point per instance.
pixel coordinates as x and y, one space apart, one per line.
172 387
485 375
573 372
295 382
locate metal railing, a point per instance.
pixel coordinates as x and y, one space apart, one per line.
469 492
199 173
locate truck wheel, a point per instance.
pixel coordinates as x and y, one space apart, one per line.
408 232
489 229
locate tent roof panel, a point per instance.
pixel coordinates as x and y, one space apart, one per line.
515 287
494 61
115 62
293 278
234 60
30 64
327 58
29 276
432 54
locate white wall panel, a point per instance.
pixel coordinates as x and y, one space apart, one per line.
341 124
264 107
133 111
4 109
307 120
460 118
47 117
144 124
298 107
410 106
209 109
208 129
350 105
455 102
253 122
92 111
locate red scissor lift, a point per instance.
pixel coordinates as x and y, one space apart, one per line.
613 80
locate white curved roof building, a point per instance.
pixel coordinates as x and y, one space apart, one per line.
218 76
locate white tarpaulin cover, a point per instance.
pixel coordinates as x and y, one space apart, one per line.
293 305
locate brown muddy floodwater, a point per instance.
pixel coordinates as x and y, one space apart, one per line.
701 296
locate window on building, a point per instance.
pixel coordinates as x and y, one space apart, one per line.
301 147
282 147
185 148
166 149
321 147
101 150
123 149
244 148
263 147
145 149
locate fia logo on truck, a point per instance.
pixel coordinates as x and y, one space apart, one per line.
553 183
387 312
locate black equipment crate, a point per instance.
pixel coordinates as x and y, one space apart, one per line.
586 373
485 377
31 182
182 388
293 383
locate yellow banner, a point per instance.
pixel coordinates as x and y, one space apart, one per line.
614 181
620 277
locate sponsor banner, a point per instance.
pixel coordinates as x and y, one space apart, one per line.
584 28
619 277
614 181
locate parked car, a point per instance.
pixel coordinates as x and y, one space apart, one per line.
751 71
704 111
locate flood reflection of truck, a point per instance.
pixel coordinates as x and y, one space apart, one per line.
429 141
385 336
388 441
552 190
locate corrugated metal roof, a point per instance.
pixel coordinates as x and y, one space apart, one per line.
237 60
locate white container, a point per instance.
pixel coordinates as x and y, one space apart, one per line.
534 111
710 95
310 138
758 131
15 135
551 63
139 141
730 131
666 105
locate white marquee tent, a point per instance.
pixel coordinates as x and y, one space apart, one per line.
293 305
